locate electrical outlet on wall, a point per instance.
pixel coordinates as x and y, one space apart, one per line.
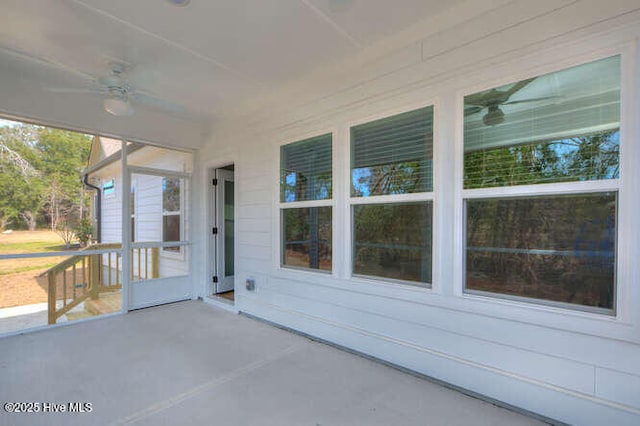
250 284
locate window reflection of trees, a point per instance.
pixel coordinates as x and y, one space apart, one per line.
393 241
171 194
581 158
559 248
396 178
297 186
307 237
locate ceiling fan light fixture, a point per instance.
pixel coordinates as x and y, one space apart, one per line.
118 106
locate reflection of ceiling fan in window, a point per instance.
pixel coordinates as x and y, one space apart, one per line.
119 95
493 99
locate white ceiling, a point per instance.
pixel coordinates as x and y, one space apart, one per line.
209 56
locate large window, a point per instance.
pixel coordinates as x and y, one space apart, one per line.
306 186
392 198
171 212
541 183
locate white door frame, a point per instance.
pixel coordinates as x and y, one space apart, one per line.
161 290
219 282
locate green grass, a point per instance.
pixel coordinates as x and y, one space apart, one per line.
28 268
23 242
30 247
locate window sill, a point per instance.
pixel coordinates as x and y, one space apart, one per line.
305 270
543 303
391 282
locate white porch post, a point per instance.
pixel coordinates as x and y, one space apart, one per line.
126 230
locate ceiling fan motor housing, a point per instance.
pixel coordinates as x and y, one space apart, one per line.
494 117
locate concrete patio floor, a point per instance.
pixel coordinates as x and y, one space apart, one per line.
191 363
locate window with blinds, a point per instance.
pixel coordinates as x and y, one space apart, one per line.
393 155
306 179
556 244
306 170
558 127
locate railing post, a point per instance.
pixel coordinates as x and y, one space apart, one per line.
155 262
94 275
52 298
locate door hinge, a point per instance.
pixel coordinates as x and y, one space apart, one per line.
214 182
215 278
214 231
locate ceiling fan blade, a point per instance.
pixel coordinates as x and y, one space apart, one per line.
158 103
74 90
531 100
495 96
472 110
479 99
519 86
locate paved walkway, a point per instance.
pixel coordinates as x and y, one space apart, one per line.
20 318
190 363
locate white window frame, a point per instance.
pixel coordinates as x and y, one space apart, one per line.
280 206
180 252
393 199
551 315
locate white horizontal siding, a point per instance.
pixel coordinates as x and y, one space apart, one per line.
577 376
251 251
536 366
254 225
111 215
255 197
257 183
253 212
430 310
261 239
250 266
618 386
148 207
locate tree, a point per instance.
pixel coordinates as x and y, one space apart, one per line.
40 175
66 233
62 156
20 182
84 231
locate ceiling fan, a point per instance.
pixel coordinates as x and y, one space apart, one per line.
120 95
493 99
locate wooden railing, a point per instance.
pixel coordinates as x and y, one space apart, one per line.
85 276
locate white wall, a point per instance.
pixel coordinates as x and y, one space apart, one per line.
576 367
111 220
